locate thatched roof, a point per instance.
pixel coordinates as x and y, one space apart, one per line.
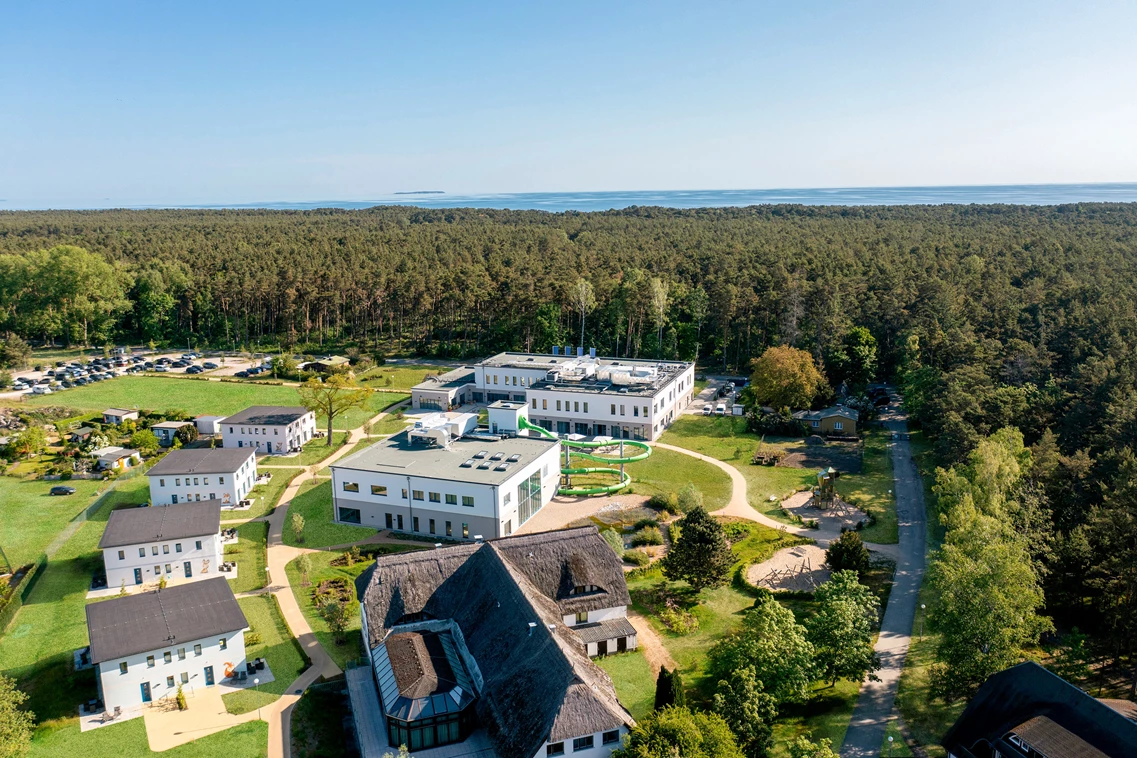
537 681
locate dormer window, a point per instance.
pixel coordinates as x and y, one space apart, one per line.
585 589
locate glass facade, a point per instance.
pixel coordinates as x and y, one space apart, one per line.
529 497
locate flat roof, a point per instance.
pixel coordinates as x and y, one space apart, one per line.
458 462
118 411
268 415
133 526
160 620
454 378
585 374
548 360
202 460
170 424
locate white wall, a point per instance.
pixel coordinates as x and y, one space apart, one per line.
270 439
228 488
598 615
125 689
598 750
159 555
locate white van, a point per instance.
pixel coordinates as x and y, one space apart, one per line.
720 409
708 409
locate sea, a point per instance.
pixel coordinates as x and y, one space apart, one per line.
556 202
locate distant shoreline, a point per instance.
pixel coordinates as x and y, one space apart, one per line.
422 192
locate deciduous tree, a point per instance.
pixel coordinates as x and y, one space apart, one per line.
748 710
785 377
676 731
774 644
842 629
16 723
332 397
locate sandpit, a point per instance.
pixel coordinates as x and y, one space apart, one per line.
791 569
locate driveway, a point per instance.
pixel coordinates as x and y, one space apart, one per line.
875 704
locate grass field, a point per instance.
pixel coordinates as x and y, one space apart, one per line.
402 377
314 503
277 647
667 471
317 722
159 393
264 496
248 740
312 453
872 489
824 716
249 554
30 518
635 685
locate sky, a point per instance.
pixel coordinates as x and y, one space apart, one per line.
113 103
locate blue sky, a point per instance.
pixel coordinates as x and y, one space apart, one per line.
199 102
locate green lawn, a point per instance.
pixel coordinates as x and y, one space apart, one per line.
322 570
872 489
249 553
312 453
159 393
635 685
248 740
667 471
277 647
825 715
265 497
402 377
392 424
317 722
314 503
30 518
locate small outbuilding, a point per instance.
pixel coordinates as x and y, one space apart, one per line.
118 415
208 424
836 420
116 458
166 430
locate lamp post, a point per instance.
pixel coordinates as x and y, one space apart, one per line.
890 746
257 689
922 607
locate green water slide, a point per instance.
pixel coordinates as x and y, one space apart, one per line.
577 449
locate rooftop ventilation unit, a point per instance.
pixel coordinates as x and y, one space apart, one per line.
514 458
481 454
467 464
556 349
591 352
532 626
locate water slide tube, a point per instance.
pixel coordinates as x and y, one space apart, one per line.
577 448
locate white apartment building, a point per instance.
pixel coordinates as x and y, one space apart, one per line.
143 646
221 474
269 428
574 394
145 544
445 478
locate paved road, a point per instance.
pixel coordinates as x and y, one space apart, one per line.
874 706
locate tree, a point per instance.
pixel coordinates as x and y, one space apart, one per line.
5 379
335 395
774 644
403 753
848 553
144 441
697 308
583 300
334 613
1072 660
701 555
283 366
842 629
785 377
689 498
16 724
31 441
14 352
304 566
676 731
854 361
669 689
803 747
298 526
659 293
186 434
748 710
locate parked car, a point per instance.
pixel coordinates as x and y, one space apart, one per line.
242 374
708 409
162 369
210 365
41 389
62 489
194 370
720 409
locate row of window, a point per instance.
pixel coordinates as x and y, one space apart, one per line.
168 656
154 550
637 410
584 743
393 519
178 481
435 497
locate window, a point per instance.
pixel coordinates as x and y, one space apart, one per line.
351 486
435 497
557 748
534 403
185 677
611 737
157 570
635 410
468 501
544 404
613 409
149 661
205 480
507 500
432 526
838 425
153 550
161 482
223 643
379 490
582 617
195 481
400 522
576 406
586 406
815 424
178 547
181 654
122 668
122 555
170 681
582 743
414 523
417 494
449 530
451 499
645 410
197 649
350 515
167 657
178 482
558 405
221 480
165 549
197 544
466 531
168 569
212 495
390 521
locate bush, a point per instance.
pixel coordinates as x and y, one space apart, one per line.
637 557
649 535
646 522
848 553
776 424
690 498
252 638
614 540
668 503
679 621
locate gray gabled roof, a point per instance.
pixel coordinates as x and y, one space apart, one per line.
268 415
537 681
202 460
152 622
135 526
836 410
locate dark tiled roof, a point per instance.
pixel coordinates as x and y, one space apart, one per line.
155 621
1012 699
1050 739
134 526
609 629
268 415
203 460
537 682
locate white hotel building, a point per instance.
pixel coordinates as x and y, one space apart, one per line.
273 429
145 544
221 474
572 394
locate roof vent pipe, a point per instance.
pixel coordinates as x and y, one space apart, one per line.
532 626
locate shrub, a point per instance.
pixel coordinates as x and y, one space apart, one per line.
736 530
690 498
613 538
646 522
252 638
181 698
849 553
649 535
667 503
637 557
679 621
